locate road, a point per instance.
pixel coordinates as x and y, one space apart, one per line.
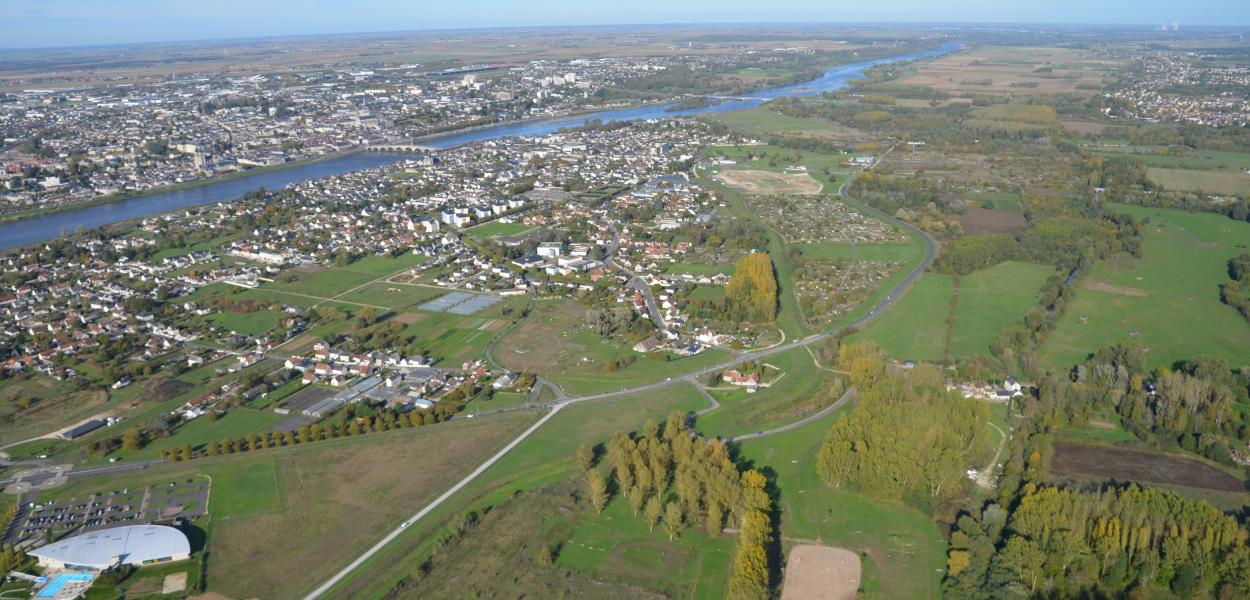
563 401
847 396
635 282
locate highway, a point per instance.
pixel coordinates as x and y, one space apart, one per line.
562 401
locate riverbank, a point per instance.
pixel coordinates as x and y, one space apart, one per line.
186 185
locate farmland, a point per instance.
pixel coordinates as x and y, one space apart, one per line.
1167 302
1196 180
1084 462
1011 70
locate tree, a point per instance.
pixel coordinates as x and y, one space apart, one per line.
636 496
186 452
597 489
132 440
652 512
752 291
585 457
749 580
673 519
715 519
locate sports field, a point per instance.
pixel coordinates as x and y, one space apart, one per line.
988 301
1167 302
498 229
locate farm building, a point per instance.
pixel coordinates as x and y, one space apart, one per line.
129 545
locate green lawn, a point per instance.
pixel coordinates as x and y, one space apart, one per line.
199 432
393 295
1000 200
1167 302
903 553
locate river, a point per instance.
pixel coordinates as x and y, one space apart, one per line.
49 226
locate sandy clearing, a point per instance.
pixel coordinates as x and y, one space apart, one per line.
768 182
821 573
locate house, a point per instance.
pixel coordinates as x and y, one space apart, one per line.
733 377
648 345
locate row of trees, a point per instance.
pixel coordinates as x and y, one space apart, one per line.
752 291
908 437
669 477
315 432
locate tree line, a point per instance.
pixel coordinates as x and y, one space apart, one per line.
673 480
751 294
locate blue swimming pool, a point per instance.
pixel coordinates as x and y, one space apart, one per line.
54 587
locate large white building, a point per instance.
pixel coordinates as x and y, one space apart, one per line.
130 545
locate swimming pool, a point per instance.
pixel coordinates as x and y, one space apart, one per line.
60 581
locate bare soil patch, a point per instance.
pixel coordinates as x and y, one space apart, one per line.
408 318
1110 288
821 573
174 583
1108 463
768 182
976 221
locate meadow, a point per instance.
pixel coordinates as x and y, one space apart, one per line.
1198 180
988 301
803 388
1167 302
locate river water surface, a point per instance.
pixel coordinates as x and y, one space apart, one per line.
41 228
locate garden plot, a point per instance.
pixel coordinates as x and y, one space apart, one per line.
828 288
821 220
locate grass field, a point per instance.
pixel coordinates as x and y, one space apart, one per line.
395 296
336 280
802 389
310 509
497 229
903 552
53 405
453 338
989 301
1213 160
1198 180
681 268
555 342
545 457
254 324
764 121
1167 302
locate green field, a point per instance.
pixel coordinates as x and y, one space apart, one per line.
1000 200
496 229
989 301
395 296
915 327
1168 301
765 121
1197 180
336 280
254 324
1214 160
199 432
453 338
707 292
903 553
802 389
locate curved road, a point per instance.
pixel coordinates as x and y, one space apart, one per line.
561 402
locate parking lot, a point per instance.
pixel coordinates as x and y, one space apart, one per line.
186 499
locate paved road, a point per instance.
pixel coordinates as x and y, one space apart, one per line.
635 282
824 412
562 401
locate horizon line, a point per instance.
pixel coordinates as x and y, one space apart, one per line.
1189 28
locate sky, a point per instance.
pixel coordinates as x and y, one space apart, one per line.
52 23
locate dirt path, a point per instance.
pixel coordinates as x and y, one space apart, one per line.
985 476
